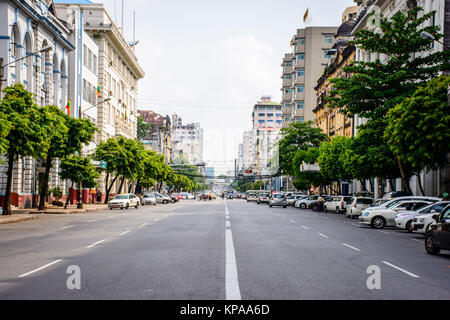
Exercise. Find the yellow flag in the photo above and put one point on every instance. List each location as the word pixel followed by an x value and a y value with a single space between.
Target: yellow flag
pixel 305 16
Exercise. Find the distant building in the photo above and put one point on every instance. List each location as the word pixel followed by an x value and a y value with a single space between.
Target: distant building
pixel 301 69
pixel 160 135
pixel 209 174
pixel 187 140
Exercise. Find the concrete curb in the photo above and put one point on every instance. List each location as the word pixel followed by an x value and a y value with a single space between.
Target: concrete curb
pixel 17 219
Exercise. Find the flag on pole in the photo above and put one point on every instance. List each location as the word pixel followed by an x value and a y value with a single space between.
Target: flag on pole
pixel 98 92
pixel 68 107
pixel 305 16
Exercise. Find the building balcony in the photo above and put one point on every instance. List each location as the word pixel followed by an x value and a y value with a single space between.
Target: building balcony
pixel 287 83
pixel 299 96
pixel 299 48
pixel 287 111
pixel 299 63
pixel 287 96
pixel 299 113
pixel 299 80
pixel 287 70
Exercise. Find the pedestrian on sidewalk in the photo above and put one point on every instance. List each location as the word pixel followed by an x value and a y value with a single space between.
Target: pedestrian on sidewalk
pixel 93 192
pixel 99 196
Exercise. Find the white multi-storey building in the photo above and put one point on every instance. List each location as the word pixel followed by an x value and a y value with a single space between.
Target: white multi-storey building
pixel 187 140
pixel 28 26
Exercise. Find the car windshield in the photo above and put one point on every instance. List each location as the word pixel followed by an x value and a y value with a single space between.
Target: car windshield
pixel 264 195
pixel 121 197
pixel 251 194
pixel 278 196
pixel 379 202
pixel 149 195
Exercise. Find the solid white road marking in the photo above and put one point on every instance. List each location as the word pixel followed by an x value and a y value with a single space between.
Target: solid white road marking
pixel 40 268
pixel 232 291
pixel 124 233
pixel 68 227
pixel 96 243
pixel 400 269
pixel 305 227
pixel 227 224
pixel 351 247
pixel 323 235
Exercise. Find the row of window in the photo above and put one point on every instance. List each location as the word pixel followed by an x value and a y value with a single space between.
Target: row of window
pixel 89 59
pixel 268 115
pixel 299 89
pixel 299 105
pixel 89 92
pixel 327 39
pixel 270 121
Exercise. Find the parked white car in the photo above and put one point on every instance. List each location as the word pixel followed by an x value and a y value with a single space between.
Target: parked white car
pixel 306 202
pixel 252 197
pixel 291 200
pixel 337 204
pixel 421 223
pixel 404 220
pixel 394 201
pixel 124 201
pixel 148 199
pixel 357 205
pixel 386 217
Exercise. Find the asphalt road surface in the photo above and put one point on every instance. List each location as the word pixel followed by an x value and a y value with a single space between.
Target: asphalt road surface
pixel 215 250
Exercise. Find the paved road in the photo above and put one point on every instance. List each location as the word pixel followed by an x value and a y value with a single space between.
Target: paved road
pixel 215 250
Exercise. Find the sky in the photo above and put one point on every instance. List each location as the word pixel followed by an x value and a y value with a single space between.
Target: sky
pixel 210 61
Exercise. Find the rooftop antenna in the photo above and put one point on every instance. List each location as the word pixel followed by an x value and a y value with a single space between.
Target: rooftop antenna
pixel 123 6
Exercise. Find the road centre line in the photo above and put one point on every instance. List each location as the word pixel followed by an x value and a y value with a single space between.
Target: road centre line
pixel 351 247
pixel 232 291
pixel 292 221
pixel 96 243
pixel 67 227
pixel 40 268
pixel 402 270
pixel 323 235
pixel 305 227
pixel 124 233
pixel 228 224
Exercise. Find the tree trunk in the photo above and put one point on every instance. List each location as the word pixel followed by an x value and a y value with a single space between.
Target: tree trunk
pixel 68 197
pixel 121 185
pixel 363 184
pixel 44 184
pixel 79 200
pixel 391 183
pixel 371 185
pixel 339 187
pixel 106 182
pixel 130 187
pixel 419 180
pixel 108 189
pixel 405 181
pixel 7 206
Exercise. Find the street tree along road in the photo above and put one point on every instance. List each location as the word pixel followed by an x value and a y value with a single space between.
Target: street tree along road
pixel 215 250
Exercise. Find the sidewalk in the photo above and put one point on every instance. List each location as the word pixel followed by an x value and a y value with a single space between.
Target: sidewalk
pixel 71 209
pixel 16 218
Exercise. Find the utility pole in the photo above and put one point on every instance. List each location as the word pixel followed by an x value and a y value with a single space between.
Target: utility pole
pixel 1 76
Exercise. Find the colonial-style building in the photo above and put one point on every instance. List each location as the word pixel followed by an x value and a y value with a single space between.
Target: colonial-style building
pixel 26 27
pixel 160 135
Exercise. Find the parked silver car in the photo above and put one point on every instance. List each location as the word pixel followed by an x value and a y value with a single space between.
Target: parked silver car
pixel 124 201
pixel 148 199
pixel 278 199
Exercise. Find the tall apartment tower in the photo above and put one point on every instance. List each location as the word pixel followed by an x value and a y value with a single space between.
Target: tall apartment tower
pixel 301 69
pixel 187 140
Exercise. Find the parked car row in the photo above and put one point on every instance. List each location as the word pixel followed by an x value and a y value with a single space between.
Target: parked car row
pixel 273 200
pixel 127 200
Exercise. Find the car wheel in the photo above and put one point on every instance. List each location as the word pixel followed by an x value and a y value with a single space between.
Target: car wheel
pixel 137 206
pixel 303 206
pixel 270 205
pixel 325 209
pixel 378 222
pixel 110 208
pixel 430 246
pixel 409 226
pixel 284 207
pixel 347 215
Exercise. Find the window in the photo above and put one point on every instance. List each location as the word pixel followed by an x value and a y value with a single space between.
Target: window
pixel 278 114
pixel 287 90
pixel 300 119
pixel 301 56
pixel 289 64
pixel 301 72
pixel 269 120
pixel 270 114
pixel 287 105
pixel 279 121
pixel 287 119
pixel 261 114
pixel 288 77
pixel 300 89
pixel 328 39
pixel 301 41
pixel 325 54
pixel 300 105
pixel 261 121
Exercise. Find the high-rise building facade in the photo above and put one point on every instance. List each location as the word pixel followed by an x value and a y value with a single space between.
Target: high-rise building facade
pixel 301 69
pixel 187 140
pixel 267 123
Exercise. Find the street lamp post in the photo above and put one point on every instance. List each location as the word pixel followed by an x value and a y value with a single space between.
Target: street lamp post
pixel 2 66
pixel 427 35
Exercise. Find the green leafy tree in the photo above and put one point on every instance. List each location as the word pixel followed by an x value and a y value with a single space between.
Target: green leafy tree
pixel 297 136
pixel 80 170
pixel 143 128
pixel 418 130
pixel 29 129
pixel 67 136
pixel 332 160
pixel 304 180
pixel 403 65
